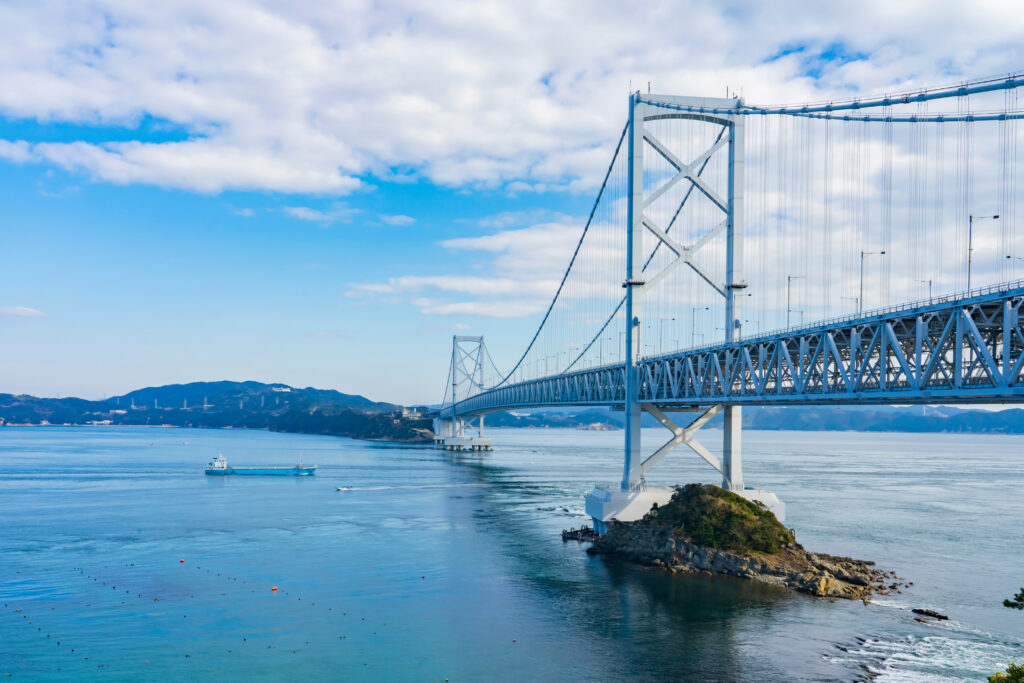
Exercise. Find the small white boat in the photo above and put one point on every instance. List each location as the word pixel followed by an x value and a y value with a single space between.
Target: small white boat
pixel 344 488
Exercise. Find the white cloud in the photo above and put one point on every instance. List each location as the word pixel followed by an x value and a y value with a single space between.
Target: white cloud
pixel 18 152
pixel 542 249
pixel 203 165
pixel 488 309
pixel 398 219
pixel 20 312
pixel 337 213
pixel 304 213
pixel 312 98
pixel 245 213
pixel 526 263
pixel 480 286
pixel 510 219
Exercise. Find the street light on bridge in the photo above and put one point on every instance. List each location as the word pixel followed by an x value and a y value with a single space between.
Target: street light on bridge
pixel 929 283
pixel 693 323
pixel 970 242
pixel 860 306
pixel 661 334
pixel 789 284
pixel 1014 258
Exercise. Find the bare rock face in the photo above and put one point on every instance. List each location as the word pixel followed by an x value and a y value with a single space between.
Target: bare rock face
pixel 660 540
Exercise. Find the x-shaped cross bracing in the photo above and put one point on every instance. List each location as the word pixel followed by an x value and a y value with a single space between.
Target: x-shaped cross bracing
pixel 681 435
pixel 692 173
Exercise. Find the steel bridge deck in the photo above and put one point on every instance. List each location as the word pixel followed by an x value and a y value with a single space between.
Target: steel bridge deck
pixel 965 349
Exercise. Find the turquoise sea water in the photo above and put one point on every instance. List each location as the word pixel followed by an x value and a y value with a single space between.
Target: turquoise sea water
pixel 437 567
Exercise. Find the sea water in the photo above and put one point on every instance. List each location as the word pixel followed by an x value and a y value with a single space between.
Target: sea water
pixel 120 560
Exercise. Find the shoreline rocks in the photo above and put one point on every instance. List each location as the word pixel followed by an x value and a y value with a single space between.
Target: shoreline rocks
pixel 931 614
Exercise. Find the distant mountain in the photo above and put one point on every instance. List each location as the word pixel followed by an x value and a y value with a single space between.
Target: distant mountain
pixel 590 418
pixel 887 419
pixel 241 405
pixel 804 418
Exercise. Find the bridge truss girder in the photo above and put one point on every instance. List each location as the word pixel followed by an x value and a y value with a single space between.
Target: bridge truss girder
pixel 968 353
pixel 962 351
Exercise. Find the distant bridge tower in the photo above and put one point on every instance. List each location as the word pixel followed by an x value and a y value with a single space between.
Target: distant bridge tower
pixel 465 380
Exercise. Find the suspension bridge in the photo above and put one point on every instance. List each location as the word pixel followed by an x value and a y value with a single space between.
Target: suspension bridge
pixel 743 255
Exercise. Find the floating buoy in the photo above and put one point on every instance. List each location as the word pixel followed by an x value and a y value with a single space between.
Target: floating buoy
pixel 182 561
pixel 273 588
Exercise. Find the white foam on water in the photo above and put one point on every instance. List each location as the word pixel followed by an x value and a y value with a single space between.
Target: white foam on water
pixel 929 658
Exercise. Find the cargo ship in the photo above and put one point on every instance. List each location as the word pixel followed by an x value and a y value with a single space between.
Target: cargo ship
pixel 219 466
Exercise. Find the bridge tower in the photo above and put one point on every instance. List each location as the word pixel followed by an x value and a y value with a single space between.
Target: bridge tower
pixel 634 498
pixel 466 379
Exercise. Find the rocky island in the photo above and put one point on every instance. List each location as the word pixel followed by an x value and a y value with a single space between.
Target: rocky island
pixel 705 529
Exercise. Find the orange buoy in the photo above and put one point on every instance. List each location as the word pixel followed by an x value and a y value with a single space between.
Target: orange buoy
pixel 273 588
pixel 182 561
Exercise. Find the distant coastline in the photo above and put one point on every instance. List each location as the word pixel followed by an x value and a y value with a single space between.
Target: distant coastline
pixel 227 405
pixel 173 426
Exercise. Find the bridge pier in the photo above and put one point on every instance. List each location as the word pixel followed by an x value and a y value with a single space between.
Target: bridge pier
pixel 732 449
pixel 632 502
pixel 450 435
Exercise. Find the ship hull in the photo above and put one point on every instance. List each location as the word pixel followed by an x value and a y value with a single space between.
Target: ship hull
pixel 265 471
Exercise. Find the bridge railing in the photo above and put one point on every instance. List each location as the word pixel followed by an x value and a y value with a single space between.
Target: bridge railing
pixel 866 315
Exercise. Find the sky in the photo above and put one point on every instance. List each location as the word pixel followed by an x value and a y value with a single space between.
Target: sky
pixel 323 193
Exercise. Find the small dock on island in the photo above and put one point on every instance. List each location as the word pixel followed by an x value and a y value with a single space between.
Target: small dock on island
pixel 464 443
pixel 584 533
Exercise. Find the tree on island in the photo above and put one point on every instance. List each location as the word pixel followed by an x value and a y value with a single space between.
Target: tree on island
pixel 1014 674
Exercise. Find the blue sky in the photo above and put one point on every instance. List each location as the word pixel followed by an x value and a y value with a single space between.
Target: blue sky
pixel 323 195
pixel 143 285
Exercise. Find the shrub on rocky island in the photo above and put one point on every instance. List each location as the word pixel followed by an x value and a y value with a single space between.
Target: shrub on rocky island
pixel 715 518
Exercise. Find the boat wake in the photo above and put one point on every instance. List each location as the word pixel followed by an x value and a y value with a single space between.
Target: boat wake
pixel 408 487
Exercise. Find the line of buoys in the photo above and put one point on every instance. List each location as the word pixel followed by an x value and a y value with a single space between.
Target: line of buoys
pixel 39 629
pixel 274 590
